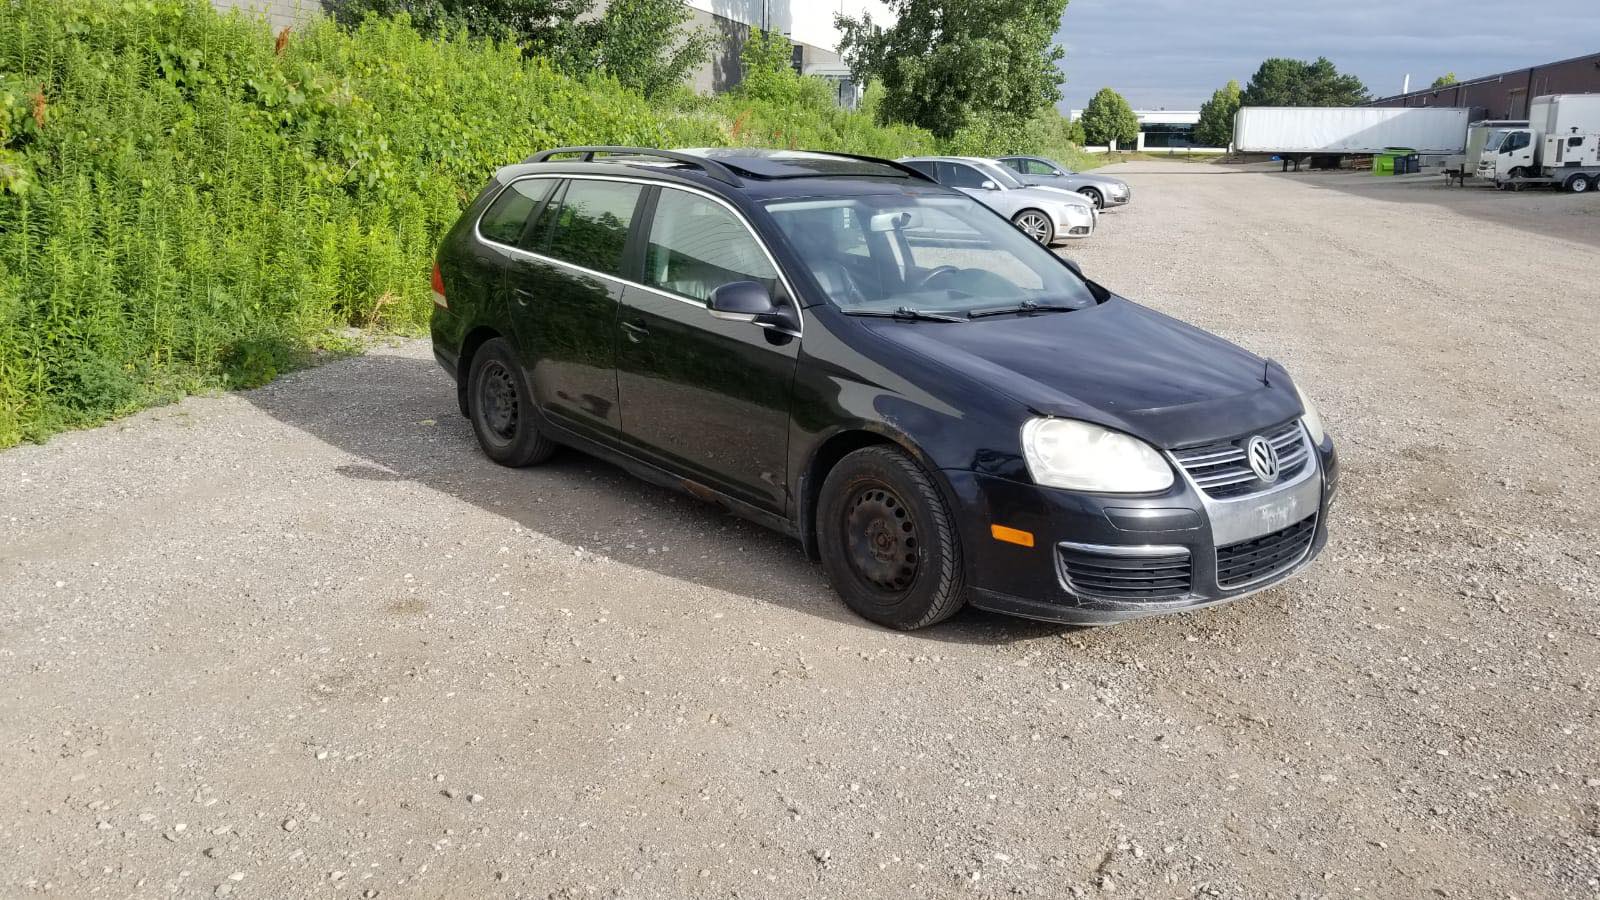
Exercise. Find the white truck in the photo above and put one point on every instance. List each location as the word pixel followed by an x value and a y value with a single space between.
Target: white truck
pixel 1333 131
pixel 1458 167
pixel 1559 147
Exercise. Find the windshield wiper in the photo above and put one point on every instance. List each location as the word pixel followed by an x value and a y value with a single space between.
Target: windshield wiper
pixel 906 312
pixel 1026 306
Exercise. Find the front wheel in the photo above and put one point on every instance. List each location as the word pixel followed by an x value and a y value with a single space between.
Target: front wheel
pixel 1094 197
pixel 889 544
pixel 501 407
pixel 1036 225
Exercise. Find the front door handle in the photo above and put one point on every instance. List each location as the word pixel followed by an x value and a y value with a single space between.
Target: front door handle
pixel 635 331
pixel 524 297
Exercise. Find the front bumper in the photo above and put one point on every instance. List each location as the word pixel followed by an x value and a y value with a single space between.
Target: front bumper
pixel 1077 222
pixel 1037 583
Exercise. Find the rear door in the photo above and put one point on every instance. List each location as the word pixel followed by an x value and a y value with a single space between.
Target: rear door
pixel 565 292
pixel 702 397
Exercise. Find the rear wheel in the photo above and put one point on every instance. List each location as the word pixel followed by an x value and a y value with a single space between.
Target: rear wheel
pixel 1094 197
pixel 889 544
pixel 501 408
pixel 1579 184
pixel 1036 225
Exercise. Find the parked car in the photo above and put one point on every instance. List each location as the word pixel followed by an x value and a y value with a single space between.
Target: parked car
pixel 1046 216
pixel 935 406
pixel 1102 190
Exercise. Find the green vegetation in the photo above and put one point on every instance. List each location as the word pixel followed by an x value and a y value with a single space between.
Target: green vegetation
pixel 1444 80
pixel 1215 128
pixel 189 202
pixel 946 65
pixel 1107 118
pixel 1293 82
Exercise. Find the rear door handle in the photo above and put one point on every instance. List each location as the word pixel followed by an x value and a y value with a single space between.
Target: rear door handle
pixel 635 331
pixel 524 297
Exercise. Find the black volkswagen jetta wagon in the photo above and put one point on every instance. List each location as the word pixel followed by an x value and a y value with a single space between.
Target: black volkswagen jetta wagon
pixel 934 405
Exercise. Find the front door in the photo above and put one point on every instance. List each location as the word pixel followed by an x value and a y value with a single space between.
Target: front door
pixel 704 397
pixel 564 294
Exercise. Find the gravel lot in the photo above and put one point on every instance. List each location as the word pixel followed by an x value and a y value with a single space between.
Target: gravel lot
pixel 306 641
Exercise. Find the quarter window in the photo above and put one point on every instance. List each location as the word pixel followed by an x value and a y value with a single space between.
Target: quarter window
pixel 697 246
pixel 507 218
pixel 591 229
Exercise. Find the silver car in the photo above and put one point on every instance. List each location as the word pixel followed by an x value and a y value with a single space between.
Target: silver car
pixel 1102 190
pixel 1047 215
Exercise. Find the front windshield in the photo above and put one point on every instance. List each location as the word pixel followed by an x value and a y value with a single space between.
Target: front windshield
pixel 1491 144
pixel 886 253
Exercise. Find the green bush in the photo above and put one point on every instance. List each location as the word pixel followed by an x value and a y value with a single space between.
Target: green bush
pixel 185 205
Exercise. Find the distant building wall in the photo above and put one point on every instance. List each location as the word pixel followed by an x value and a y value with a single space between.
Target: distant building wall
pixel 1508 94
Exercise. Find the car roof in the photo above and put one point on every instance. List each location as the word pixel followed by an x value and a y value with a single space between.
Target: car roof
pixel 753 172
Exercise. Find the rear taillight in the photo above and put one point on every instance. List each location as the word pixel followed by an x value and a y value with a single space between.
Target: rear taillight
pixel 438 289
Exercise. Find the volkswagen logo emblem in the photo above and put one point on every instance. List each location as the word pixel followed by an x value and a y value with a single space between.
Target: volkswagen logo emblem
pixel 1263 459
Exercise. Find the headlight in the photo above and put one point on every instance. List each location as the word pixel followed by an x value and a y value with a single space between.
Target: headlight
pixel 1077 456
pixel 1312 418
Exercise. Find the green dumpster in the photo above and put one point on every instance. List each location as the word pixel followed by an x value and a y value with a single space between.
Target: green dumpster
pixel 1392 161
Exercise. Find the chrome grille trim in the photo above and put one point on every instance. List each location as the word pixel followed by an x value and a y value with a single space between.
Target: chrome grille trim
pixel 1220 470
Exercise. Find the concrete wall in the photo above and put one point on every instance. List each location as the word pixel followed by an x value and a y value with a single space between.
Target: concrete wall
pixel 281 13
pixel 1507 95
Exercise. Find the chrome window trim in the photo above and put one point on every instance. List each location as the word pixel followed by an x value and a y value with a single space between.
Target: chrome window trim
pixel 783 278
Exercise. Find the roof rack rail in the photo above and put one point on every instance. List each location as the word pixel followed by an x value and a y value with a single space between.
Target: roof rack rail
pixel 893 164
pixel 710 166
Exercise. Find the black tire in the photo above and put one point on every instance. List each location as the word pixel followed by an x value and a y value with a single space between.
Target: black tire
pixel 1094 197
pixel 1036 224
pixel 500 406
pixel 889 544
pixel 1578 184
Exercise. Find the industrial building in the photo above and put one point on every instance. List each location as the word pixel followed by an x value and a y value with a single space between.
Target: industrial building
pixel 1162 129
pixel 807 23
pixel 1508 94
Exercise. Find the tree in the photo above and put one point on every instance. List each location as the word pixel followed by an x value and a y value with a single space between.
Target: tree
pixel 769 74
pixel 945 64
pixel 1107 118
pixel 1444 80
pixel 1293 82
pixel 1216 117
pixel 644 44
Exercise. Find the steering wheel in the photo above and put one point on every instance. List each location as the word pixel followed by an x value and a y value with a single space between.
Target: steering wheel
pixel 935 272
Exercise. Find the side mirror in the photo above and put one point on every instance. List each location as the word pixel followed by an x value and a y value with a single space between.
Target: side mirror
pixel 990 186
pixel 1076 269
pixel 749 301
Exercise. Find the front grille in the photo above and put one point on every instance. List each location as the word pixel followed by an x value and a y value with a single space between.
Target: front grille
pixel 1259 558
pixel 1220 469
pixel 1111 576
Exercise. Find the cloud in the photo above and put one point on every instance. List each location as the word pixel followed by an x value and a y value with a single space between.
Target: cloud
pixel 1173 53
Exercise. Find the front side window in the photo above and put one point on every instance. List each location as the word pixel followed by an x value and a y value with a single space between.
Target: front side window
pixel 932 252
pixel 506 221
pixel 697 246
pixel 591 228
pixel 1035 167
pixel 960 175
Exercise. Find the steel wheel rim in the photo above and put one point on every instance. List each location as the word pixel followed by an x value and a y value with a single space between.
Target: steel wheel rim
pixel 881 541
pixel 1034 226
pixel 1579 185
pixel 497 398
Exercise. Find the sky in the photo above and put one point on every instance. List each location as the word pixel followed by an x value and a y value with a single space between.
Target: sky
pixel 1171 54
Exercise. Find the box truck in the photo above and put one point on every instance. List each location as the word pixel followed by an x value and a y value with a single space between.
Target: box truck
pixel 1348 130
pixel 1459 167
pixel 1559 147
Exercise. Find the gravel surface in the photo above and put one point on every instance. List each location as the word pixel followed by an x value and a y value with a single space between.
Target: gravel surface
pixel 307 641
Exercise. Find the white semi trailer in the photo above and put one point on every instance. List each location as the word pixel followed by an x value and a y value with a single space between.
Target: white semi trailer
pixel 1560 147
pixel 1333 131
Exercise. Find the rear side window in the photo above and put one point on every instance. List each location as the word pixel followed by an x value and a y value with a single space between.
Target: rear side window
pixel 507 219
pixel 697 246
pixel 591 228
pixel 957 175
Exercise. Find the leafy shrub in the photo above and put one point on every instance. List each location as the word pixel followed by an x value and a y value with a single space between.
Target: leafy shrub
pixel 187 204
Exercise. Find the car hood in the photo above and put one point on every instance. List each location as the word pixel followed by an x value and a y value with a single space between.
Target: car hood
pixel 1118 364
